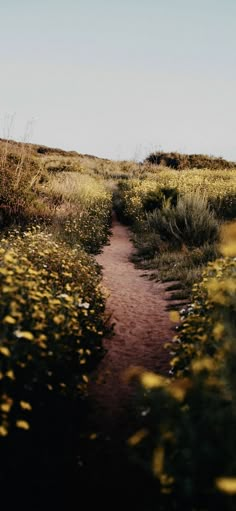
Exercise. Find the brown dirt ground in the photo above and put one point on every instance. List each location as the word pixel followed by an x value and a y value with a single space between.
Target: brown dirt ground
pixel 138 309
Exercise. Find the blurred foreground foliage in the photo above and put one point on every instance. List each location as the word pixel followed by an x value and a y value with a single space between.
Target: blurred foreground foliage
pixel 187 423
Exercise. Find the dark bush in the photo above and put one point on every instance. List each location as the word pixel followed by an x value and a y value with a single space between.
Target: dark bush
pixel 182 161
pixel 155 199
pixel 191 222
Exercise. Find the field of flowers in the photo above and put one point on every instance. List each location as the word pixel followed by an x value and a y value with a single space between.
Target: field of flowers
pixel 59 194
pixel 186 435
pixel 51 316
pixel 55 214
pixel 187 421
pixel 218 186
pixel 52 313
pixel 83 210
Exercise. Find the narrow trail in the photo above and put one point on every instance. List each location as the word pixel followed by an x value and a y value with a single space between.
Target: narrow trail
pixel 138 309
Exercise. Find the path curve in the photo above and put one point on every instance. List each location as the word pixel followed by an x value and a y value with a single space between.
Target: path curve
pixel 138 309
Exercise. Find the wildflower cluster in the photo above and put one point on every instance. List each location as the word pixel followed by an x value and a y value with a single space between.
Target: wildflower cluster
pixel 187 423
pixel 89 227
pixel 52 323
pixel 129 200
pixel 83 209
pixel 209 318
pixel 218 186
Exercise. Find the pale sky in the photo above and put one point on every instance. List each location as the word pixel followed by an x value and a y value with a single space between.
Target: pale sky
pixel 120 78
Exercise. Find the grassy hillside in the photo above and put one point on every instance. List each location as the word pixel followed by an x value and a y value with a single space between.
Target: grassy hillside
pixel 53 217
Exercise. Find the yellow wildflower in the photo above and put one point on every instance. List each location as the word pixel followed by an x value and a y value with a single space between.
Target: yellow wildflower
pixel 137 437
pixel 226 485
pixel 22 424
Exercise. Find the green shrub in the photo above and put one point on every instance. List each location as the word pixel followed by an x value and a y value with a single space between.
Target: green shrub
pixel 177 233
pixel 224 206
pixel 191 222
pixel 132 199
pixel 127 205
pixel 156 199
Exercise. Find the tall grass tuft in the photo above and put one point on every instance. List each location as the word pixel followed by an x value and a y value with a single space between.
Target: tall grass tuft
pixel 191 222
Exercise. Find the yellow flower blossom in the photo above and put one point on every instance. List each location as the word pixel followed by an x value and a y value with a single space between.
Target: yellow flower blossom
pixel 24 335
pixel 59 319
pixel 22 424
pixel 151 380
pixel 218 331
pixel 174 316
pixel 158 461
pixel 3 431
pixel 9 320
pixel 5 351
pixel 137 437
pixel 25 405
pixel 226 485
pixel 10 374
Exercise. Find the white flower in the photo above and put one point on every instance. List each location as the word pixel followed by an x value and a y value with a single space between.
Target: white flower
pixel 85 305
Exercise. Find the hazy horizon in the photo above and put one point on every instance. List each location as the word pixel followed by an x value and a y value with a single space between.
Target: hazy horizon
pixel 119 80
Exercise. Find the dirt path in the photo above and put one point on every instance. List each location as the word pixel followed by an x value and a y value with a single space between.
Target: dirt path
pixel 138 309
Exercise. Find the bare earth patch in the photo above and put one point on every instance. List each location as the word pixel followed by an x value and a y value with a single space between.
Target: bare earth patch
pixel 138 309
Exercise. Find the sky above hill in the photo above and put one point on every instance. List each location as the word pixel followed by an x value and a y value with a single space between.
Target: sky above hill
pixel 120 79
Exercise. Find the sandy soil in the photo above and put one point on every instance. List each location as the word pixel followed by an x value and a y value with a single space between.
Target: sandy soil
pixel 138 309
